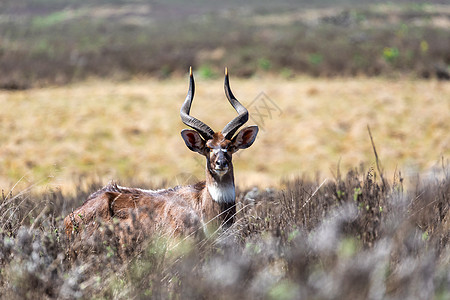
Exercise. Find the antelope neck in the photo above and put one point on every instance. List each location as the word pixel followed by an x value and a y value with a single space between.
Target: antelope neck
pixel 221 188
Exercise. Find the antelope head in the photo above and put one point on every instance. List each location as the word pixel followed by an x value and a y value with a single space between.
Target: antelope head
pixel 217 147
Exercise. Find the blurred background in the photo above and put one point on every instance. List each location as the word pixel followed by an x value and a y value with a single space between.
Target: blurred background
pixel 92 89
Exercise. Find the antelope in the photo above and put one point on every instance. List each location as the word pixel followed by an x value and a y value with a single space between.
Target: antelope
pixel 181 210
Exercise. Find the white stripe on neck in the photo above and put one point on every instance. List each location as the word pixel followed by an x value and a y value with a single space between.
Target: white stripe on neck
pixel 222 193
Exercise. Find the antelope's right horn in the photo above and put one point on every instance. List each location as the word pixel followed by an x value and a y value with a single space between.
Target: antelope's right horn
pixel 204 130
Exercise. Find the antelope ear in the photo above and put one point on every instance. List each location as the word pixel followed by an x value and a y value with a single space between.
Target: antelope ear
pixel 193 140
pixel 245 137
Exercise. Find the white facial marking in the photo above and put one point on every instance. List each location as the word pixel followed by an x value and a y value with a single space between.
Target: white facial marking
pixel 221 172
pixel 215 151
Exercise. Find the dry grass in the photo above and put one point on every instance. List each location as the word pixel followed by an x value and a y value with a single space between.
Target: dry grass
pixel 122 130
pixel 349 238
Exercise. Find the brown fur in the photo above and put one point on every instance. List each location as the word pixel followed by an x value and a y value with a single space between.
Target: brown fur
pixel 180 211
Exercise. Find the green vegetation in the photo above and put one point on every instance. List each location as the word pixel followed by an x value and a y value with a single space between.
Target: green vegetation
pixel 56 42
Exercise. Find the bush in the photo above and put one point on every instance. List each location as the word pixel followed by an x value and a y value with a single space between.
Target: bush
pixel 56 43
pixel 356 237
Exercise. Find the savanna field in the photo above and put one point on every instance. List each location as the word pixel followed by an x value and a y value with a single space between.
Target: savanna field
pixel 345 193
pixel 131 130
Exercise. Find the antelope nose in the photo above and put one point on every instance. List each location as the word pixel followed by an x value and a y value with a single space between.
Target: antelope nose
pixel 221 164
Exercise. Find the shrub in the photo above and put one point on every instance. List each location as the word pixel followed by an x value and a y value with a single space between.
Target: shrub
pixel 354 237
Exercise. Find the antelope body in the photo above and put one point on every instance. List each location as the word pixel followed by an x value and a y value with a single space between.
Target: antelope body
pixel 182 210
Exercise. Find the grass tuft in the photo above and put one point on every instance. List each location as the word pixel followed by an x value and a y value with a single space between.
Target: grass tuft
pixel 354 237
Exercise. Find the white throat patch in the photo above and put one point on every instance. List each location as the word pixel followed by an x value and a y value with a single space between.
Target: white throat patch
pixel 222 194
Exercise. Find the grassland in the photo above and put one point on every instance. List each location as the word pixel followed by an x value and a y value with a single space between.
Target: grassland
pixel 90 91
pixel 124 130
pixel 353 237
pixel 58 42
